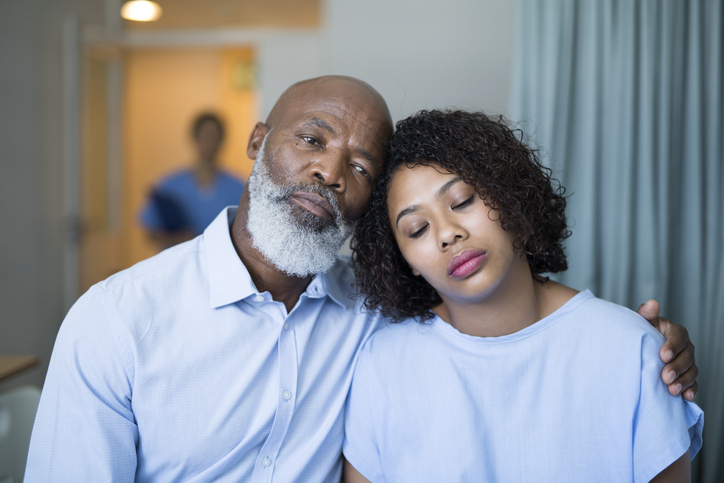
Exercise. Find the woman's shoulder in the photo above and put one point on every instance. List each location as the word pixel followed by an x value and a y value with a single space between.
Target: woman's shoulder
pixel 393 339
pixel 606 322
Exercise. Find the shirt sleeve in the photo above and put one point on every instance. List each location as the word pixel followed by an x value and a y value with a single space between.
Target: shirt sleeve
pixel 84 429
pixel 664 426
pixel 361 447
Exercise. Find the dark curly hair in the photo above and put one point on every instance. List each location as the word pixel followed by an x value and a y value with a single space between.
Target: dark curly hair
pixel 489 155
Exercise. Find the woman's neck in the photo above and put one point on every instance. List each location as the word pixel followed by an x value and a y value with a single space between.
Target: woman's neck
pixel 205 172
pixel 518 302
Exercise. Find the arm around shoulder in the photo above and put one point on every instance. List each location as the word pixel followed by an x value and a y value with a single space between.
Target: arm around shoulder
pixel 678 472
pixel 85 428
pixel 351 475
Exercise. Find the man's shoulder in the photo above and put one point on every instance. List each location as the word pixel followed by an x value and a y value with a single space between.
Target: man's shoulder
pixel 162 269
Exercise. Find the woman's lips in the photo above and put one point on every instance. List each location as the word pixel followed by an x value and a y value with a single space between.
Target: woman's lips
pixel 315 204
pixel 466 263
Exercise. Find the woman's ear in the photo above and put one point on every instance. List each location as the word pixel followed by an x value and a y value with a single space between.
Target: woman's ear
pixel 415 272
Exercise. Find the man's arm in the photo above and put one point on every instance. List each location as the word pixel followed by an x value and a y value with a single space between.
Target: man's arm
pixel 680 371
pixel 678 472
pixel 351 475
pixel 85 428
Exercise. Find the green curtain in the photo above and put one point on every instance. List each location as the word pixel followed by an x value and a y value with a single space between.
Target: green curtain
pixel 625 99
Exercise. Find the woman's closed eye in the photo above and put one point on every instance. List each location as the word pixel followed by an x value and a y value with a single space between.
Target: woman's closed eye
pixel 419 232
pixel 464 203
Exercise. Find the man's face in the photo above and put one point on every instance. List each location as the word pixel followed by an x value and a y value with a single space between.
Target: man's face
pixel 336 140
pixel 295 240
pixel 315 173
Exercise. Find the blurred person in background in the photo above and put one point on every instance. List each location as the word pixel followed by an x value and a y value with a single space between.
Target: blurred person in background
pixel 184 203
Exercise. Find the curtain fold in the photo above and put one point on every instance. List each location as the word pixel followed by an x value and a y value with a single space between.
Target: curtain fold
pixel 625 99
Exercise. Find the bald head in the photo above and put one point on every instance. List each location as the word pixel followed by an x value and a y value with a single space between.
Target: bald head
pixel 331 88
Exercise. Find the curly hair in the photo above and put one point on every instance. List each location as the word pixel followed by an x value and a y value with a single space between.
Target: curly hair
pixel 489 155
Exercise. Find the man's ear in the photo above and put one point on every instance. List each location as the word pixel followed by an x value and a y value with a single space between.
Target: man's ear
pixel 415 272
pixel 255 139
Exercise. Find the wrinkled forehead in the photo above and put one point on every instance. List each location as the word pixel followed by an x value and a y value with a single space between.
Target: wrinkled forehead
pixel 338 95
pixel 350 109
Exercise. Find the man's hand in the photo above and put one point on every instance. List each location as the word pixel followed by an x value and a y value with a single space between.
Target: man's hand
pixel 680 372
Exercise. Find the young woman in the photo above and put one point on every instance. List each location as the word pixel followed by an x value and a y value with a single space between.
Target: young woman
pixel 493 372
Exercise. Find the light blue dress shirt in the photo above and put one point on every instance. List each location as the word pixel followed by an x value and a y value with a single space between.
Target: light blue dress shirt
pixel 178 369
pixel 575 397
pixel 200 204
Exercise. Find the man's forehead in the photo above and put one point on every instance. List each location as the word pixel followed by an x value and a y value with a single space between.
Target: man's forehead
pixel 344 108
pixel 340 96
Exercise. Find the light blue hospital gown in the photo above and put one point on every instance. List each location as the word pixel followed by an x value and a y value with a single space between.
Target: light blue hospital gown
pixel 576 396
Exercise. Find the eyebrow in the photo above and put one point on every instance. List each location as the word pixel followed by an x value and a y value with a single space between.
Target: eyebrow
pixel 369 157
pixel 321 123
pixel 439 193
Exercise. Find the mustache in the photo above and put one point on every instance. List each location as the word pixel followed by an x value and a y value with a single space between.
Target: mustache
pixel 323 191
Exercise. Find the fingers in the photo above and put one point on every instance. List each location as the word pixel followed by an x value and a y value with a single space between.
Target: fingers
pixel 690 393
pixel 649 310
pixel 681 373
pixel 677 340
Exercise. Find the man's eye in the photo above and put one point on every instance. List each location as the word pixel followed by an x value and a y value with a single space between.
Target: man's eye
pixel 361 170
pixel 419 232
pixel 464 203
pixel 310 140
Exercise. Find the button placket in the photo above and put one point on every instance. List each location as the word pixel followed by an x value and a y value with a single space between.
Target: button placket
pixel 268 455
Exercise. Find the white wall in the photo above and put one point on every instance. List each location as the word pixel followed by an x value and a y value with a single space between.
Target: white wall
pixel 31 224
pixel 284 61
pixel 418 54
pixel 423 54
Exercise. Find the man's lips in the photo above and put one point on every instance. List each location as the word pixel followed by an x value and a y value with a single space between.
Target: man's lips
pixel 466 263
pixel 314 203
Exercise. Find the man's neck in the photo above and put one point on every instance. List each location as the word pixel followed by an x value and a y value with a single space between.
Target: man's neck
pixel 267 278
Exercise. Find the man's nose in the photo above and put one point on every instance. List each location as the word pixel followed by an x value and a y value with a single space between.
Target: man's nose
pixel 329 169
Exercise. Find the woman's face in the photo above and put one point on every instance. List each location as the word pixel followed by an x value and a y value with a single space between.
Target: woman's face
pixel 449 236
pixel 208 140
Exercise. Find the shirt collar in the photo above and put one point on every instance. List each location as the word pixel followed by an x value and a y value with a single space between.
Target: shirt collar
pixel 229 280
pixel 337 283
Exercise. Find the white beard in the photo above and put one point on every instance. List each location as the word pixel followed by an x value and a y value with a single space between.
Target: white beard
pixel 293 240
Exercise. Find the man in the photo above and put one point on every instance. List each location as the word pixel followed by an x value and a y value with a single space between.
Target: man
pixel 226 358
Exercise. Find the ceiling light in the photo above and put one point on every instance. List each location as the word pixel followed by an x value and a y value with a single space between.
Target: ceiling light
pixel 141 11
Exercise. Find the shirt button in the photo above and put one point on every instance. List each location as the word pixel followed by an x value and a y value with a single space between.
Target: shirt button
pixel 287 395
pixel 266 462
pixel 286 325
pixel 259 298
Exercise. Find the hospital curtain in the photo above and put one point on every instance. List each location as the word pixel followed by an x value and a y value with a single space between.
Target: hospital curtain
pixel 624 97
